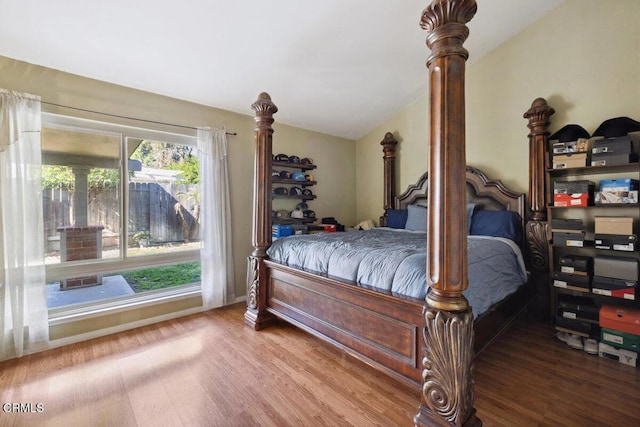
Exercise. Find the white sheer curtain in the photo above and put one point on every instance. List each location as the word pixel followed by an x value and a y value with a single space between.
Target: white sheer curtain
pixel 23 300
pixel 215 218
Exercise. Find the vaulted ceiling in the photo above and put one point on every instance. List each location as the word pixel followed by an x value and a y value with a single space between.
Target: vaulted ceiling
pixel 340 67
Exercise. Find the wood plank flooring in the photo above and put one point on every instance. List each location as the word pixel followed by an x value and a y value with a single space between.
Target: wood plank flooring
pixel 211 370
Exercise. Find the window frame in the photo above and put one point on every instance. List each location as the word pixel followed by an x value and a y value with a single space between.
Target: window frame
pixel 123 262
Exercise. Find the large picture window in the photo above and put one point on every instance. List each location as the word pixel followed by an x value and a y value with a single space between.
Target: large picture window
pixel 121 211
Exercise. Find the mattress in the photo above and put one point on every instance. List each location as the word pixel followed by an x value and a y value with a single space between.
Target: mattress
pixel 394 260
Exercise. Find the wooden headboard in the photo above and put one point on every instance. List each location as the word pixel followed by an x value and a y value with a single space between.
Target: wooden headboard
pixel 487 194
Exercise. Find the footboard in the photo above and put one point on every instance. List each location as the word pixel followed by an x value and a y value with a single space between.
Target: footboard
pixel 379 329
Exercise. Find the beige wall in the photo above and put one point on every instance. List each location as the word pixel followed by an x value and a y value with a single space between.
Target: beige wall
pixel 583 57
pixel 335 157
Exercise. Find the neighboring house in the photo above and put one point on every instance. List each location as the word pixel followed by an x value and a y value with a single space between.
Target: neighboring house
pixel 155 175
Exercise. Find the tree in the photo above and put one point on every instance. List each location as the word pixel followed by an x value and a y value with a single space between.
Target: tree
pixel 62 177
pixel 188 228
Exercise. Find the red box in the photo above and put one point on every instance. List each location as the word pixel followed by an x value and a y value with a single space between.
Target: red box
pixel 624 293
pixel 621 319
pixel 569 200
pixel 329 228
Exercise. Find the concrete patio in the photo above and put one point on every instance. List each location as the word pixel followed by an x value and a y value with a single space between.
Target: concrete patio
pixel 112 287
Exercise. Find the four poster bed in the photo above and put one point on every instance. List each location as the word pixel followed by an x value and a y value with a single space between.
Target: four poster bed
pixel 382 326
pixel 425 344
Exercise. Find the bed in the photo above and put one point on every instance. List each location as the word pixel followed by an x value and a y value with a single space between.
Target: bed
pixel 426 343
pixel 381 325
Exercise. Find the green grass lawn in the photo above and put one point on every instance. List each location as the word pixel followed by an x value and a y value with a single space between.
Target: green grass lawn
pixel 169 276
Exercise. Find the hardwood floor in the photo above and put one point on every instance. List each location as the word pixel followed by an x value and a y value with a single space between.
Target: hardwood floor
pixel 211 370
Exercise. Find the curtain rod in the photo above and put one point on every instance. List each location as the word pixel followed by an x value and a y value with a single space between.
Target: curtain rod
pixel 128 118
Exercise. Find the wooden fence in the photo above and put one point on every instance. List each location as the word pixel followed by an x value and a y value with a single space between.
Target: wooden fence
pixel 151 208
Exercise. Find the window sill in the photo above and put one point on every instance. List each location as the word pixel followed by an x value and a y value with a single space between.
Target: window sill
pixel 63 315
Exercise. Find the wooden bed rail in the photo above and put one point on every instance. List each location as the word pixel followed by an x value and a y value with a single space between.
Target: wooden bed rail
pixel 447 388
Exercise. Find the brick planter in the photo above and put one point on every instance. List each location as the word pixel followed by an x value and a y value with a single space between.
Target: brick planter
pixel 77 244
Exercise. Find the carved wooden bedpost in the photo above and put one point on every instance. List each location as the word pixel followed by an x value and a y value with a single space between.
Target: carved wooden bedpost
pixel 537 227
pixel 447 388
pixel 256 315
pixel 538 116
pixel 389 149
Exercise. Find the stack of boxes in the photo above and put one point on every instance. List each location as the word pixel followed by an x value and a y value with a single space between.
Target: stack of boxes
pixel 614 151
pixel 567 232
pixel 620 334
pixel 570 154
pixel 573 193
pixel 575 273
pixel 615 234
pixel 596 151
pixel 281 230
pixel 615 276
pixel 576 314
pixel 284 230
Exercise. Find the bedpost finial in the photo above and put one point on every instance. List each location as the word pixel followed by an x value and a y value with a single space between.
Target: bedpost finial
pixel 389 139
pixel 539 102
pixel 264 107
pixel 539 113
pixel 441 12
pixel 445 22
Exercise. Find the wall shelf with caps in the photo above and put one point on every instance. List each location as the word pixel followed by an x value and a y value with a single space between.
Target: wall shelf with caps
pixel 289 196
pixel 288 184
pixel 300 166
pixel 286 221
pixel 593 225
pixel 290 181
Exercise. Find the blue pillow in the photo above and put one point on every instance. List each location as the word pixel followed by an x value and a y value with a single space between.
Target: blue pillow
pixel 471 207
pixel 505 224
pixel 416 218
pixel 396 218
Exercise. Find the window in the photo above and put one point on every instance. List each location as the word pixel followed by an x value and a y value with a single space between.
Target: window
pixel 121 211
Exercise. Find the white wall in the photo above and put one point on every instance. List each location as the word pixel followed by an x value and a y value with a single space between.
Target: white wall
pixel 583 57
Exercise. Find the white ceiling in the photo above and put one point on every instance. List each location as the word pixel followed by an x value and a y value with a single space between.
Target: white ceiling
pixel 340 67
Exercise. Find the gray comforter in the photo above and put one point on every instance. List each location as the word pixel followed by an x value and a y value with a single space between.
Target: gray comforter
pixel 394 260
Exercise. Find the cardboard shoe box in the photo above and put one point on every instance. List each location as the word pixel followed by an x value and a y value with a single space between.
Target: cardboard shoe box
pixel 581 145
pixel 617 145
pixel 566 225
pixel 621 355
pixel 573 193
pixel 576 264
pixel 617 191
pixel 620 318
pixel 329 228
pixel 620 339
pixel 615 242
pixel 570 310
pixel 569 239
pixel 574 282
pixel 614 225
pixel 616 267
pixel 281 230
pixel 576 326
pixel 574 160
pixel 616 288
pixel 611 159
